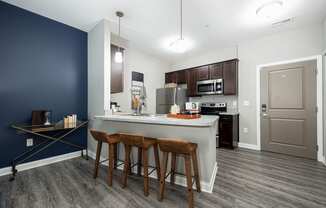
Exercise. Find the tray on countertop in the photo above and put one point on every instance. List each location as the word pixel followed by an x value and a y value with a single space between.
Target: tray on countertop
pixel 184 116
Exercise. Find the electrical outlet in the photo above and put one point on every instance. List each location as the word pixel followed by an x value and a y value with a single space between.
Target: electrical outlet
pixel 245 130
pixel 29 142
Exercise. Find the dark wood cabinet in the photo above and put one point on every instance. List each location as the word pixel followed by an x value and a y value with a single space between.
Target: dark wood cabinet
pixel 178 77
pixel 227 70
pixel 202 73
pixel 171 77
pixel 181 77
pixel 116 71
pixel 228 131
pixel 216 71
pixel 191 78
pixel 230 77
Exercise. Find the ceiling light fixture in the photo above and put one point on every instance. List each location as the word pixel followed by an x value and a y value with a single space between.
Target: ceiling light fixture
pixel 118 57
pixel 270 9
pixel 180 45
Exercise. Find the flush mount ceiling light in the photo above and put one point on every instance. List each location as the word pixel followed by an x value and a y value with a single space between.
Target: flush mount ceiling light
pixel 270 9
pixel 118 58
pixel 180 45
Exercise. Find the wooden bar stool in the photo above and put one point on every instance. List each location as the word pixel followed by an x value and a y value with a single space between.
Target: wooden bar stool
pixel 183 148
pixel 112 140
pixel 143 145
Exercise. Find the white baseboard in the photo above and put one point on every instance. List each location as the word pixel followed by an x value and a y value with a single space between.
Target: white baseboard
pixel 249 146
pixel 5 171
pixel 179 180
pixel 255 147
pixel 38 163
pixel 320 158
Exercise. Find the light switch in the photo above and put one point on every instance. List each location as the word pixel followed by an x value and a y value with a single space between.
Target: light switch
pixel 245 130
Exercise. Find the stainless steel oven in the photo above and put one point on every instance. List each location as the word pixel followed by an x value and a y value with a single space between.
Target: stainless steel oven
pixel 210 87
pixel 214 109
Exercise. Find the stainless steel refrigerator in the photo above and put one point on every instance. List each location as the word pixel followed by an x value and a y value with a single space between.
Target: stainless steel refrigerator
pixel 165 98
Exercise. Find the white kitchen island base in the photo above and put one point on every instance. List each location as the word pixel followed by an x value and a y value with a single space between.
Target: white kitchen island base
pixel 201 131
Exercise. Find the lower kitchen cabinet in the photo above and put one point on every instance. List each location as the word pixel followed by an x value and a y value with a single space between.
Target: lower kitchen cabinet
pixel 228 131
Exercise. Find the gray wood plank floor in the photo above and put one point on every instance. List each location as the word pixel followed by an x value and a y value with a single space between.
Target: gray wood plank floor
pixel 244 179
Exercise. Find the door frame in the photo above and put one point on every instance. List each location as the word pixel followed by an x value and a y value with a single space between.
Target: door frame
pixel 319 60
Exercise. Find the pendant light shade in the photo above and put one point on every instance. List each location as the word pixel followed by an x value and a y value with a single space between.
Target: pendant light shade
pixel 179 45
pixel 118 56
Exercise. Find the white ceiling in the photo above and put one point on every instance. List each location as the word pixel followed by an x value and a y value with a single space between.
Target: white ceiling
pixel 148 24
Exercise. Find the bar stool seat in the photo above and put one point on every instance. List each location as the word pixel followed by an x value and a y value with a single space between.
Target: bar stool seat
pixel 112 140
pixel 188 150
pixel 143 144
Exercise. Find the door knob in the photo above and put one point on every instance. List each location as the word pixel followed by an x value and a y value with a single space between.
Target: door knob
pixel 265 115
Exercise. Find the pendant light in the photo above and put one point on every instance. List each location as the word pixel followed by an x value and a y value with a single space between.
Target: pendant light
pixel 180 45
pixel 118 58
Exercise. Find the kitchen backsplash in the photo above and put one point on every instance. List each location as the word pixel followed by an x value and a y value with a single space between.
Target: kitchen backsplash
pixel 232 101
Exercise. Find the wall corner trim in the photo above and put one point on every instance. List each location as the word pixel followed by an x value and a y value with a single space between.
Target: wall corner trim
pixel 249 146
pixel 39 163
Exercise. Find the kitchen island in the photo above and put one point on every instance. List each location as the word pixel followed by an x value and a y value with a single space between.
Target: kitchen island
pixel 201 131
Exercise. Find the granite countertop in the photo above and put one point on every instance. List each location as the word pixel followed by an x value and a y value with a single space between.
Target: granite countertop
pixel 204 121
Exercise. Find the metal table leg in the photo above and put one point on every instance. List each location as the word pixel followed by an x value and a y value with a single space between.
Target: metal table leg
pixel 52 140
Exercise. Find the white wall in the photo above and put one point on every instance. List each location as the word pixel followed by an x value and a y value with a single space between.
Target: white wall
pixel 99 65
pixel 98 73
pixel 206 58
pixel 282 46
pixel 324 36
pixel 153 69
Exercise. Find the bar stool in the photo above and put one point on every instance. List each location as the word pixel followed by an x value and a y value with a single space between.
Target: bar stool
pixel 179 147
pixel 143 144
pixel 112 140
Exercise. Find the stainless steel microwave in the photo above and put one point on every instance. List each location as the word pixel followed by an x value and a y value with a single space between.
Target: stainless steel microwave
pixel 210 87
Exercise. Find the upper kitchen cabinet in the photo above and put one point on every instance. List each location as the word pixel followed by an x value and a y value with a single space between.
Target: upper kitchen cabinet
pixel 227 70
pixel 116 71
pixel 202 73
pixel 181 77
pixel 216 71
pixel 171 77
pixel 230 77
pixel 191 78
pixel 178 77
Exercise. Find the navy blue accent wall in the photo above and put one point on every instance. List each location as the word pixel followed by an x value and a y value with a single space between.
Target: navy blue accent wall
pixel 43 65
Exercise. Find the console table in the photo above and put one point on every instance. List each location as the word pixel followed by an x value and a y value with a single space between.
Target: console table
pixel 60 133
